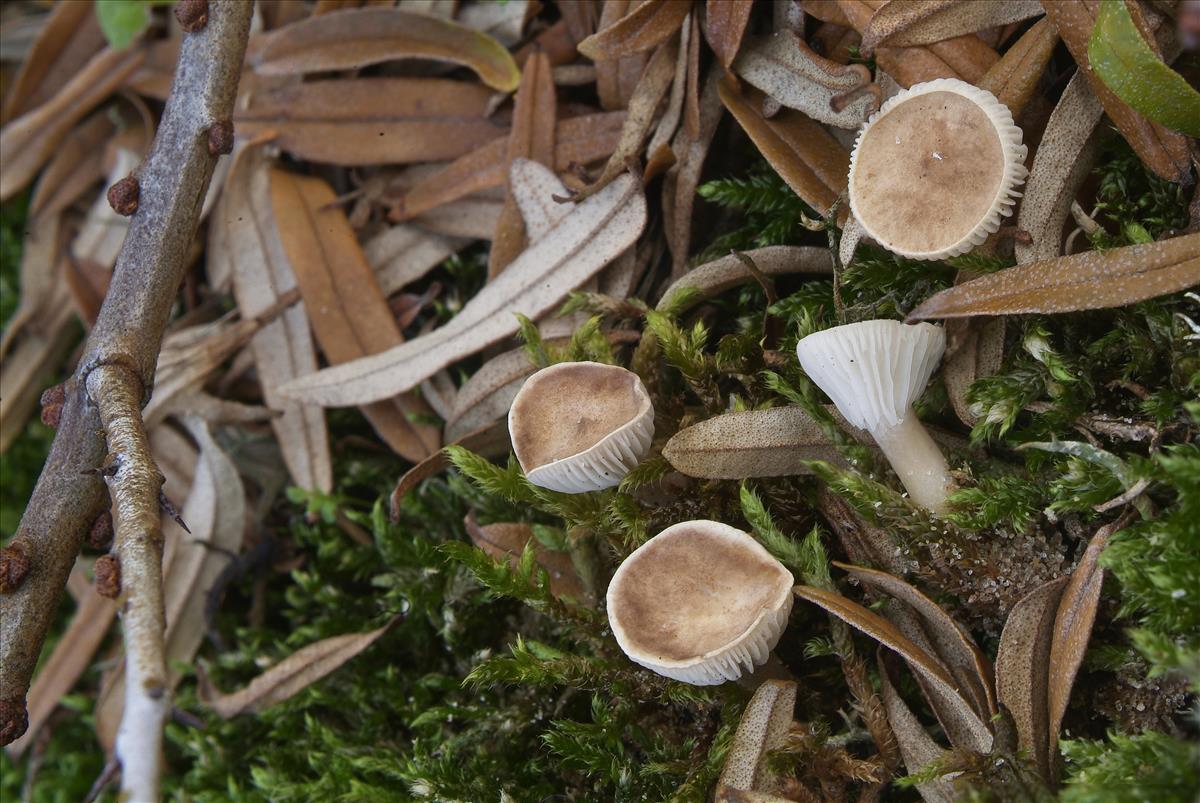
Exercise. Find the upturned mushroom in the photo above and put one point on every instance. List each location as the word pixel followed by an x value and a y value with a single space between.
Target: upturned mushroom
pixel 873 371
pixel 580 426
pixel 935 169
pixel 701 602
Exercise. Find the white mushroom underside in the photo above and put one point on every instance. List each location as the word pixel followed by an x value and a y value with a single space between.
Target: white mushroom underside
pixel 603 465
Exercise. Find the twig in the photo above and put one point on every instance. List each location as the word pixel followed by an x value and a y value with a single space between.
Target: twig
pixel 122 351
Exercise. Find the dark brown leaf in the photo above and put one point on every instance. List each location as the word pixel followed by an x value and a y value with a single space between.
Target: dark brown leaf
pixel 489 441
pixel 70 37
pixel 724 25
pixel 906 23
pixel 647 25
pixel 1015 76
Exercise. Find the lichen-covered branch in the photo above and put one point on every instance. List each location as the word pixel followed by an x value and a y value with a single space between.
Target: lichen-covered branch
pixel 128 332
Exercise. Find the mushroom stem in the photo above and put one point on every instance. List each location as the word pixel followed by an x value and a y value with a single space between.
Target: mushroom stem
pixel 918 460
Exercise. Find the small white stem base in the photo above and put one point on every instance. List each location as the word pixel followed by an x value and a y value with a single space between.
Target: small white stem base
pixel 918 461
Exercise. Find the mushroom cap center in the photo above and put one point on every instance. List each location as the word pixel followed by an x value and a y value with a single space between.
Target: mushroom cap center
pixel 691 592
pixel 570 407
pixel 927 172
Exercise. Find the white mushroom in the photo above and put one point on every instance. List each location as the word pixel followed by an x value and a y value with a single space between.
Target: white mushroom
pixel 701 602
pixel 874 371
pixel 935 169
pixel 581 426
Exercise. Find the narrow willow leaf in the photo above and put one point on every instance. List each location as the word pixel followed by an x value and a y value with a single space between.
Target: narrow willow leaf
pixel 1123 60
pixel 244 234
pixel 647 25
pixel 1073 630
pixel 917 747
pixel 806 156
pixel 755 443
pixel 1164 151
pixel 489 441
pixel 594 233
pixel 75 168
pixel 789 71
pixel 534 188
pixel 290 676
pixel 1061 164
pixel 366 121
pixel 31 365
pixel 360 37
pixel 1092 280
pixel 1015 76
pixel 763 728
pixel 905 23
pixel 1021 663
pixel 507 541
pixel 187 360
pixel 724 25
pixel 701 113
pixel 69 37
pixel 951 643
pixel 715 277
pixel 349 315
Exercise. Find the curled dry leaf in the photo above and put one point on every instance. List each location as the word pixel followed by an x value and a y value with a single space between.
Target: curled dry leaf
pixel 1062 162
pixel 764 726
pixel 755 443
pixel 917 747
pixel 715 277
pixel 790 72
pixel 348 313
pixel 507 541
pixel 806 156
pixel 1021 661
pixel 577 140
pixel 647 25
pixel 489 441
pixel 978 352
pixel 1015 76
pixel 1091 280
pixel 369 121
pixel 724 25
pixel 1163 151
pixel 360 37
pixel 290 676
pixel 188 358
pixel 906 23
pixel 594 233
pixel 244 233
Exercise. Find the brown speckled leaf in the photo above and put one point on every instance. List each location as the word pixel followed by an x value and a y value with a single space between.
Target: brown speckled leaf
pixel 917 747
pixel 724 25
pixel 364 36
pixel 723 273
pixel 644 27
pixel 912 65
pixel 1021 662
pixel 1015 76
pixel 905 23
pixel 763 728
pixel 1164 151
pixel 1092 280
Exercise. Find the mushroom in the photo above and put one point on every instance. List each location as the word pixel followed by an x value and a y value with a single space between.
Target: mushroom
pixel 701 602
pixel 874 371
pixel 580 426
pixel 935 169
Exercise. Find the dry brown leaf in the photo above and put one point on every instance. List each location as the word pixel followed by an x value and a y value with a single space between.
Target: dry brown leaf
pixel 103 231
pixel 188 358
pixel 658 149
pixel 34 359
pixel 647 25
pixel 506 541
pixel 978 350
pixel 908 65
pixel 917 747
pixel 581 18
pixel 487 395
pixel 953 645
pixel 1062 162
pixel 69 37
pixel 764 726
pixel 490 441
pixel 806 156
pixel 905 23
pixel 590 236
pixel 76 166
pixel 357 38
pixel 290 676
pixel 535 110
pixel 690 145
pixel 1021 661
pixel 1162 150
pixel 403 253
pixel 33 138
pixel 1015 76
pixel 39 274
pixel 755 443
pixel 576 140
pixel 715 277
pixel 1091 280
pixel 724 26
pixel 369 121
pixel 790 72
pixel 470 218
pixel 349 315
pixel 244 234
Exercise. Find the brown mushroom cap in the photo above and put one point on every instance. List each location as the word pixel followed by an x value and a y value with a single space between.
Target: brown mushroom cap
pixel 935 170
pixel 701 602
pixel 580 426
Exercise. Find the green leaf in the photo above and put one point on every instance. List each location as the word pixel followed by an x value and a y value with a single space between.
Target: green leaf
pixel 122 21
pixel 1125 63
